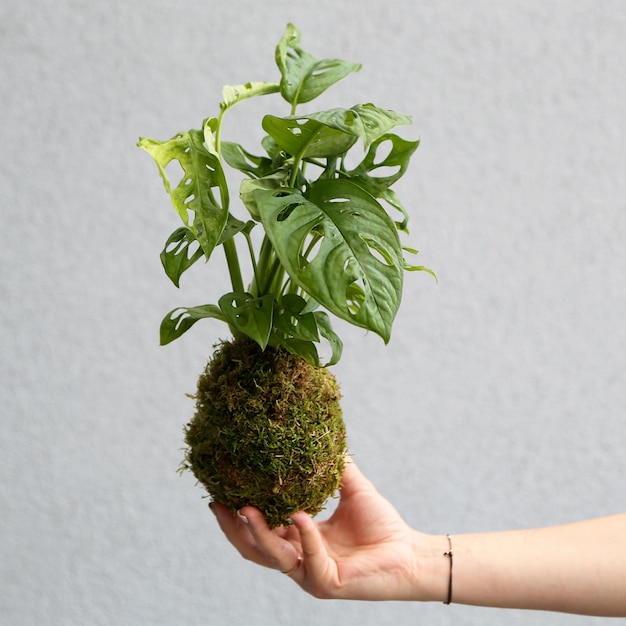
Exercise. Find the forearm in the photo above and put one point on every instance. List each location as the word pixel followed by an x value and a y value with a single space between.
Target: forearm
pixel 575 568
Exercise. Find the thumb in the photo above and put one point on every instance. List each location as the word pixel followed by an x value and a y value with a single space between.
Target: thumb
pixel 354 481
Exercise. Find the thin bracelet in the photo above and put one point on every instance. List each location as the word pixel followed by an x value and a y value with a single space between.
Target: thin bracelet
pixel 451 555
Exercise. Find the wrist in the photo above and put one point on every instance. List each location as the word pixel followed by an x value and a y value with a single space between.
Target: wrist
pixel 433 568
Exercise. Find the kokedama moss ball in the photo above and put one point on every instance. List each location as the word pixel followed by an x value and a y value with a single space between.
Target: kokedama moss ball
pixel 268 431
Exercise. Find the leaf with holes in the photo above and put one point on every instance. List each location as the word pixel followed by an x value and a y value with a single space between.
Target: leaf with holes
pixel 242 160
pixel 365 121
pixel 390 197
pixel 193 197
pixel 326 330
pixel 179 254
pixel 249 186
pixel 377 173
pixel 249 315
pixel 323 223
pixel 307 138
pixel 180 320
pixel 359 250
pixel 303 76
pixel 233 227
pixel 182 249
pixel 291 320
pixel 308 349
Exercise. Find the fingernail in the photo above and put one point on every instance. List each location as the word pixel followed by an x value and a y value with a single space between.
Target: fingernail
pixel 212 509
pixel 243 518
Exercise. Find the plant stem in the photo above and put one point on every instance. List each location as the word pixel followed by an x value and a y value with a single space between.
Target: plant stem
pixel 266 257
pixel 230 250
pixel 233 265
pixel 254 286
pixel 276 277
pixel 295 169
pixel 218 131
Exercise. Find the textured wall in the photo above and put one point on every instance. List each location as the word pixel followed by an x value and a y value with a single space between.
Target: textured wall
pixel 499 402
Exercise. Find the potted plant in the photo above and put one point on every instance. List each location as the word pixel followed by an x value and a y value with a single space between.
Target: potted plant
pixel 320 238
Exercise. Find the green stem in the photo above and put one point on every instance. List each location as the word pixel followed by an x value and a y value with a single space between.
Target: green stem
pixel 290 287
pixel 233 265
pixel 218 130
pixel 295 168
pixel 266 257
pixel 254 286
pixel 297 158
pixel 276 277
pixel 230 250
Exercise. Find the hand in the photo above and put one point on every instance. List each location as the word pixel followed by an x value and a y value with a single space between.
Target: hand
pixel 363 551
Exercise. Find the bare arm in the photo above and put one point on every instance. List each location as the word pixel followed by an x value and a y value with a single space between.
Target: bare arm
pixel 574 568
pixel 366 551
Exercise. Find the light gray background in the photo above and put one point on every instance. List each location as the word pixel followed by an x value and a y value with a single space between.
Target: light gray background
pixel 498 403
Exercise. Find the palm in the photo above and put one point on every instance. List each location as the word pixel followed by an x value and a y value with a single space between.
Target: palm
pixel 363 551
pixel 365 542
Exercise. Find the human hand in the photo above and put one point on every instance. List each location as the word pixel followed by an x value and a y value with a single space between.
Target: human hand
pixel 364 551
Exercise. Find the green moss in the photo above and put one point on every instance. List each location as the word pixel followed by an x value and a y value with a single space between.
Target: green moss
pixel 268 431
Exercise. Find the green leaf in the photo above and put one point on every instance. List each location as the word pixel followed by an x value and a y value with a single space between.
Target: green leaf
pixel 376 174
pixel 421 268
pixel 233 94
pixel 303 76
pixel 240 159
pixel 365 121
pixel 355 296
pixel 178 254
pixel 305 349
pixel 232 228
pixel 248 188
pixel 201 212
pixel 307 138
pixel 273 150
pixel 391 198
pixel 334 132
pixel 249 315
pixel 290 320
pixel 326 330
pixel 181 319
pixel 417 268
pixel 210 127
pixel 359 250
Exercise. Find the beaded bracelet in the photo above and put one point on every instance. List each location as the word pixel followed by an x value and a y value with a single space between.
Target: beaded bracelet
pixel 449 554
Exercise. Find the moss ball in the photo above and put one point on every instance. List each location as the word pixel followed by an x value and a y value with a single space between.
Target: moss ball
pixel 268 431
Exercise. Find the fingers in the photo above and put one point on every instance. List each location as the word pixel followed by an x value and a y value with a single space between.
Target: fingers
pixel 237 532
pixel 318 565
pixel 279 552
pixel 310 538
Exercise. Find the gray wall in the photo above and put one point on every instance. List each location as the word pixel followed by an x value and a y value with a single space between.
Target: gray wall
pixel 499 402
